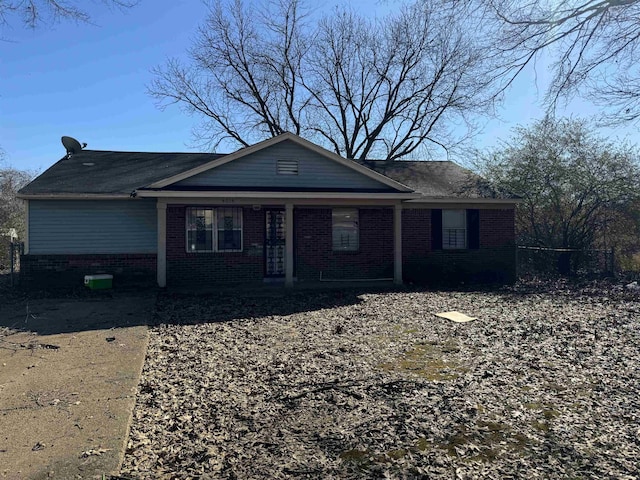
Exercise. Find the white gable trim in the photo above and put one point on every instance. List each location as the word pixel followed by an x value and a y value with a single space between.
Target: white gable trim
pixel 274 141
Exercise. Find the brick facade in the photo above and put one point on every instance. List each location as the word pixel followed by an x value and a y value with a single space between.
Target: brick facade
pixel 46 271
pixel 314 256
pixel 211 268
pixel 497 228
pixel 416 234
pixel 314 251
pixel 494 261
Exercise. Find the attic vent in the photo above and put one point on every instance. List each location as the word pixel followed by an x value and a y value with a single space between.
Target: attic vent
pixel 287 167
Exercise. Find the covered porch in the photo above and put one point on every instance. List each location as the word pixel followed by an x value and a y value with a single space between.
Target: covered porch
pixel 288 239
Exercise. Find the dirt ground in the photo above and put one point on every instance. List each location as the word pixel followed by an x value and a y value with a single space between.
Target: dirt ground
pixel 544 384
pixel 68 372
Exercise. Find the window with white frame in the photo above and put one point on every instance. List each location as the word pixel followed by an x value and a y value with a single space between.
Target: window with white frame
pixel 454 229
pixel 345 229
pixel 214 229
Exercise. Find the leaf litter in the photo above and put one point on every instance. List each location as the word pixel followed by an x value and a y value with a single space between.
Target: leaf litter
pixel 372 385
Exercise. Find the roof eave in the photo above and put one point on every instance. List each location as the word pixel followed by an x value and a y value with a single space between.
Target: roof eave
pixel 274 194
pixel 424 199
pixel 73 196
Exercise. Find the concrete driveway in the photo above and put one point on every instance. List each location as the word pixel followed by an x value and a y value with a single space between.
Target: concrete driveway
pixel 69 369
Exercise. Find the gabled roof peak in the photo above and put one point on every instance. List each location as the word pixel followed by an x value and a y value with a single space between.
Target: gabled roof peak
pixel 287 136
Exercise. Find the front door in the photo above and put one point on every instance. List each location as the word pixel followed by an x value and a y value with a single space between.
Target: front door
pixel 274 243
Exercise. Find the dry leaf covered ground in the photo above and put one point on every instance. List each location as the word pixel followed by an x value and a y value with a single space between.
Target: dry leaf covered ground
pixel 545 384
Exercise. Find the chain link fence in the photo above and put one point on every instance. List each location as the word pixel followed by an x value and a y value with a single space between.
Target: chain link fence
pixel 534 260
pixel 10 251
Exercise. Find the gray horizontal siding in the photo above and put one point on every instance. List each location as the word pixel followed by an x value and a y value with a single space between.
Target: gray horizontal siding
pixel 259 170
pixel 92 226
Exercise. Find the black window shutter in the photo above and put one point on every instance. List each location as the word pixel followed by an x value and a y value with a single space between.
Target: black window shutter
pixel 436 229
pixel 473 228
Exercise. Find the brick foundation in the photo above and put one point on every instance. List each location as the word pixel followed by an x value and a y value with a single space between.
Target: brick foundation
pixel 485 265
pixel 68 271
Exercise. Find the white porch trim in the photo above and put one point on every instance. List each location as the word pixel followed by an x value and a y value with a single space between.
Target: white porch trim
pixel 288 258
pixel 161 261
pixel 280 201
pixel 397 244
pixel 283 195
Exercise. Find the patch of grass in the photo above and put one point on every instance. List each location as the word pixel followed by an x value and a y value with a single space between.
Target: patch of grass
pixel 365 458
pixel 484 443
pixel 423 444
pixel 556 387
pixel 397 454
pixel 547 410
pixel 541 426
pixel 428 361
pixel 355 456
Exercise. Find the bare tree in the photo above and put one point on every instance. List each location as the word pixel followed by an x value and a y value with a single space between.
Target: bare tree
pixel 245 72
pixel 361 87
pixel 11 210
pixel 35 13
pixel 593 45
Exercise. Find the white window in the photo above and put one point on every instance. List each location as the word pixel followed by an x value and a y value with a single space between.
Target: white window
pixel 345 229
pixel 287 167
pixel 454 229
pixel 214 229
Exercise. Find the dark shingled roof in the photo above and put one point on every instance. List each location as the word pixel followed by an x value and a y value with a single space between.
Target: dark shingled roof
pixel 112 172
pixel 106 172
pixel 439 179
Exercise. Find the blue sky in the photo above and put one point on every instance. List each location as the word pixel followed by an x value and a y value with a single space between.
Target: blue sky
pixel 89 81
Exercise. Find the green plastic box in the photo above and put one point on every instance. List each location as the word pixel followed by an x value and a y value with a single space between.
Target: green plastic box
pixel 98 282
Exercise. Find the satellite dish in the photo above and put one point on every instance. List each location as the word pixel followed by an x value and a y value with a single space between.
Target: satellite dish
pixel 72 145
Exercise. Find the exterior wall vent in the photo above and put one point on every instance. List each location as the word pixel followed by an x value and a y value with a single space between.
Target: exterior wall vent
pixel 287 167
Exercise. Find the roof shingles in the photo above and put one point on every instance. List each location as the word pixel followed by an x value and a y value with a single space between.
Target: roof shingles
pixel 439 179
pixel 93 172
pixel 105 172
